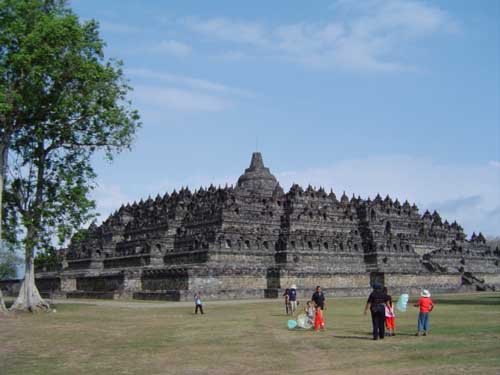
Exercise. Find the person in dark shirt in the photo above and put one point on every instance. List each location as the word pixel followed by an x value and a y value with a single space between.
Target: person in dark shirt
pixel 319 301
pixel 319 298
pixel 292 296
pixel 287 300
pixel 377 301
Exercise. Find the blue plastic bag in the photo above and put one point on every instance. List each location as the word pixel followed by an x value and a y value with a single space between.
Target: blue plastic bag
pixel 292 324
pixel 402 302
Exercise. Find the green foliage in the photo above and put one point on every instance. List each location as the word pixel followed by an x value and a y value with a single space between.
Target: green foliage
pixel 63 102
pixel 49 260
pixel 9 261
pixel 80 236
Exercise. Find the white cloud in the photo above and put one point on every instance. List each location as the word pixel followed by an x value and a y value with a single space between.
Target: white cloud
pixel 161 90
pixel 229 30
pixel 231 56
pixel 119 28
pixel 361 35
pixel 174 48
pixel 179 99
pixel 195 83
pixel 412 18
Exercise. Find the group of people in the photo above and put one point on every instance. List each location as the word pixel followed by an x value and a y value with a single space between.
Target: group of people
pixel 313 309
pixel 381 307
pixel 379 303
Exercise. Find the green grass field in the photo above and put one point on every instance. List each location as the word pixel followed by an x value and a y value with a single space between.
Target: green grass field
pixel 250 338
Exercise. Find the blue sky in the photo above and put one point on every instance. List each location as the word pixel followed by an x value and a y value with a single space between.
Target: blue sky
pixel 389 96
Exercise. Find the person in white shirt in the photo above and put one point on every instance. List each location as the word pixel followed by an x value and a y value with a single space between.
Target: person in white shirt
pixel 198 303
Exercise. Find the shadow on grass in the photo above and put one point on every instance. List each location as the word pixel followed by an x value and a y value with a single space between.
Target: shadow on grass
pixel 369 334
pixel 352 337
pixel 405 334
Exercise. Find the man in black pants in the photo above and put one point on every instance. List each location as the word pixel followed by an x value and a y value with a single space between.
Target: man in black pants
pixel 198 303
pixel 377 302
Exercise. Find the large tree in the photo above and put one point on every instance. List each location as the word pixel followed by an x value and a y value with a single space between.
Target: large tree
pixel 63 102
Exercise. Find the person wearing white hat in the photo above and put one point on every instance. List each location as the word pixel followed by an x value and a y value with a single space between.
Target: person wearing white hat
pixel 426 306
pixel 292 297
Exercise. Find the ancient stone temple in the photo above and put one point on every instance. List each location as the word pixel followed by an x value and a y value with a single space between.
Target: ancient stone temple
pixel 254 240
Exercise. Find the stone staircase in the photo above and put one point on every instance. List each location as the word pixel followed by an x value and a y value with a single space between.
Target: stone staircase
pixel 433 266
pixel 479 284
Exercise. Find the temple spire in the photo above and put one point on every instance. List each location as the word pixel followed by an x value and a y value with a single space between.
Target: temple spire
pixel 257 178
pixel 257 163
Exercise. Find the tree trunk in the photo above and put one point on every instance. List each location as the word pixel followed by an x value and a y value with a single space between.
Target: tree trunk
pixel 3 309
pixel 29 298
pixel 3 163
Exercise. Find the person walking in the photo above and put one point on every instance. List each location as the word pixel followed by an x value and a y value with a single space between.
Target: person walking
pixel 292 297
pixel 377 302
pixel 198 303
pixel 319 303
pixel 426 306
pixel 287 300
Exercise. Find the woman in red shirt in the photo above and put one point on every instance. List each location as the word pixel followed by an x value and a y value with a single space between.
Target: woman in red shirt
pixel 425 304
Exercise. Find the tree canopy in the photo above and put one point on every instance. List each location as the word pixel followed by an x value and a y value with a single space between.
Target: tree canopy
pixel 61 101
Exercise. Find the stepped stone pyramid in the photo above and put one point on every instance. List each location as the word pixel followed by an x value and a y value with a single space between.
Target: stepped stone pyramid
pixel 253 240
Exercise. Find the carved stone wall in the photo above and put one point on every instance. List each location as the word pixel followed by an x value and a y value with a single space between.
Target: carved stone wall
pixel 254 240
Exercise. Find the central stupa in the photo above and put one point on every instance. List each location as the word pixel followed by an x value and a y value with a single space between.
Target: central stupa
pixel 254 240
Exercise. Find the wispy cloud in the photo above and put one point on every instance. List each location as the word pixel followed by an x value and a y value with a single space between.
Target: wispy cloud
pixel 192 82
pixel 179 99
pixel 173 47
pixel 236 31
pixel 119 28
pixel 458 204
pixel 158 91
pixel 360 36
pixel 230 56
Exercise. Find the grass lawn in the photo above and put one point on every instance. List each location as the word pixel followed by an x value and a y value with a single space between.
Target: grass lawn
pixel 250 338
